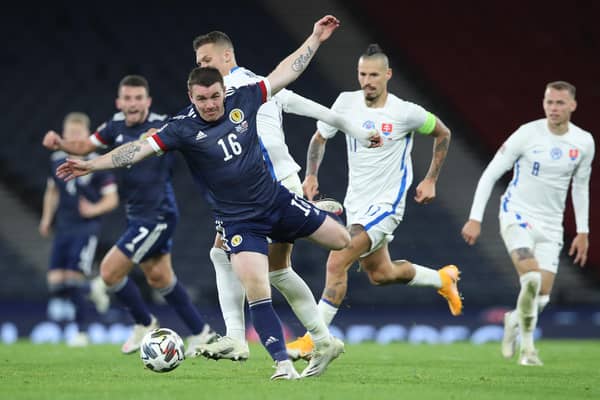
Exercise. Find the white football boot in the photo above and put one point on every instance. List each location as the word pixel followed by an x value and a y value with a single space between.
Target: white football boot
pixel 322 356
pixel 134 341
pixel 98 295
pixel 530 358
pixel 509 339
pixel 225 348
pixel 195 341
pixel 285 370
pixel 330 205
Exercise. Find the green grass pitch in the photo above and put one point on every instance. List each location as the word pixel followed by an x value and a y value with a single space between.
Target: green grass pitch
pixel 367 371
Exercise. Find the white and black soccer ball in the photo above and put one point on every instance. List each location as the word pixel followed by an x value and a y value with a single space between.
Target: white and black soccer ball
pixel 162 350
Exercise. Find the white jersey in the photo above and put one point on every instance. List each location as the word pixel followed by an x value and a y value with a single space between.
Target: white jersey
pixel 544 164
pixel 269 125
pixel 383 174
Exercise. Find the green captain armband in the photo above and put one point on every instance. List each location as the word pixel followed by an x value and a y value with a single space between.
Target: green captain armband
pixel 429 124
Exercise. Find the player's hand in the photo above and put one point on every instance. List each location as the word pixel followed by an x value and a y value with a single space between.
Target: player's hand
pixel 425 191
pixel 471 231
pixel 325 26
pixel 375 140
pixel 87 209
pixel 579 248
pixel 51 140
pixel 44 228
pixel 72 168
pixel 310 187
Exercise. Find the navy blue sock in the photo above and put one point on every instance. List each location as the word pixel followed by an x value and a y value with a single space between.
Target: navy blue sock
pixel 178 298
pixel 129 294
pixel 268 326
pixel 77 296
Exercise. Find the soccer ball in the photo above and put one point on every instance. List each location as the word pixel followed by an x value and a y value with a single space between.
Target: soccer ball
pixel 162 350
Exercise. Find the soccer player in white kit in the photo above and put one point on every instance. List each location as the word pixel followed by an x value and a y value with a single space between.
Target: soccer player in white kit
pixel 215 49
pixel 379 180
pixel 546 155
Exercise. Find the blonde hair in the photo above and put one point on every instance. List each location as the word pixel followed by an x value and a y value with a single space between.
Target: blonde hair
pixel 77 117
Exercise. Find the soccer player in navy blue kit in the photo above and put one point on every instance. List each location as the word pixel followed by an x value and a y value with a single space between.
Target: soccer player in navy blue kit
pixel 151 217
pixel 73 209
pixel 217 135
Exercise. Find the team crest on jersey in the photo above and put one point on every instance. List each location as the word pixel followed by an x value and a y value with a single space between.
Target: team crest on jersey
pixel 119 138
pixel 368 124
pixel 556 153
pixel 573 154
pixel 236 115
pixel 241 128
pixel 236 240
pixel 386 128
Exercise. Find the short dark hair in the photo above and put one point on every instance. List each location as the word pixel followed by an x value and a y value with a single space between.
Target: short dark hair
pixel 204 76
pixel 135 81
pixel 374 51
pixel 215 37
pixel 562 85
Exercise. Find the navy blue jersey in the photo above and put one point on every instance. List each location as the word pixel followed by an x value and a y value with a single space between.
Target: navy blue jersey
pixel 224 156
pixel 67 218
pixel 146 186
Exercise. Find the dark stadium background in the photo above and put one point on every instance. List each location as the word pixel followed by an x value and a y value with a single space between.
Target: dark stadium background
pixel 480 66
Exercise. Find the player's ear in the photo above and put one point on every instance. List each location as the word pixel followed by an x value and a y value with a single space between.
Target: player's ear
pixel 388 74
pixel 149 101
pixel 573 105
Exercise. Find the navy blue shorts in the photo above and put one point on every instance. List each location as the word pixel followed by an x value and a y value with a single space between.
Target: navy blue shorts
pixel 73 252
pixel 290 218
pixel 146 239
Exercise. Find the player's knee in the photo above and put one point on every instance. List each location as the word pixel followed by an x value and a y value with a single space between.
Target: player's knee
pixel 159 278
pixel 377 277
pixel 341 239
pixel 110 276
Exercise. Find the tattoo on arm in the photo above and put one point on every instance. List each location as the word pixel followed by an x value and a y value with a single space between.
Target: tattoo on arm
pixel 523 253
pixel 125 154
pixel 302 61
pixel 440 150
pixel 316 151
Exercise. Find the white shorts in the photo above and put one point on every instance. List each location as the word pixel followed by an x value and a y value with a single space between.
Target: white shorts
pixel 293 184
pixel 379 220
pixel 520 232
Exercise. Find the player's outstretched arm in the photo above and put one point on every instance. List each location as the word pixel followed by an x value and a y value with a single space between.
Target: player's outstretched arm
pixel 50 205
pixel 124 155
pixel 426 189
pixel 53 141
pixel 296 104
pixel 314 157
pixel 293 65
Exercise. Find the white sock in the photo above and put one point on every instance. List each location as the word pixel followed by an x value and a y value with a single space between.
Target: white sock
pixel 231 295
pixel 527 307
pixel 542 300
pixel 425 276
pixel 300 298
pixel 327 311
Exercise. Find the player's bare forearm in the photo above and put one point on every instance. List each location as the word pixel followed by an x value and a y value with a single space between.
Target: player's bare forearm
pixel 314 156
pixel 77 147
pixel 294 65
pixel 440 150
